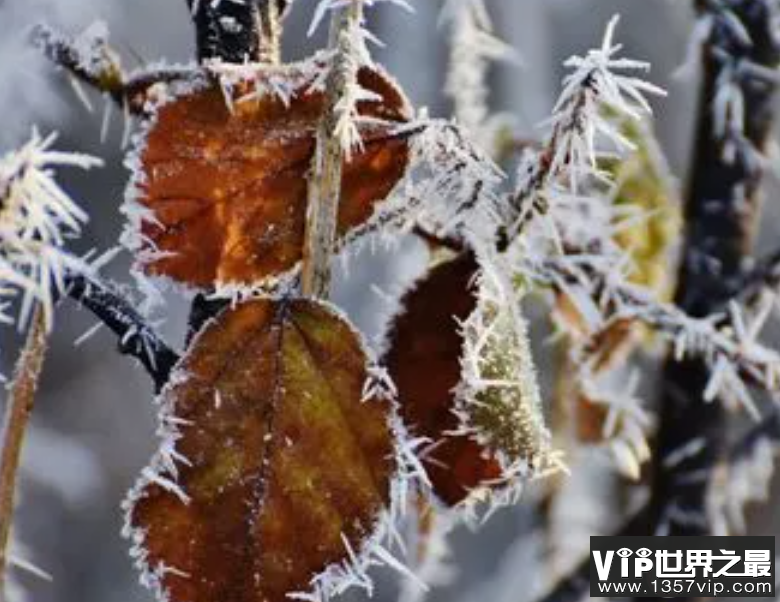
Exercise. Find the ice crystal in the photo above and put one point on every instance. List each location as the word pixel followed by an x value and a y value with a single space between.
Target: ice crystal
pixel 451 187
pixel 595 89
pixel 36 219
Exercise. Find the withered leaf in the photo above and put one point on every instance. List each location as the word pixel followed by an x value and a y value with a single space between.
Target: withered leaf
pixel 281 457
pixel 424 362
pixel 226 190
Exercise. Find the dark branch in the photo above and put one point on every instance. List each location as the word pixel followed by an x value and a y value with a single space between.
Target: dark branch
pixel 203 309
pixel 721 215
pixel 136 338
pixel 229 31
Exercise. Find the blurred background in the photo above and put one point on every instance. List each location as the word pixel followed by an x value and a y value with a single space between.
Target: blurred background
pixel 94 421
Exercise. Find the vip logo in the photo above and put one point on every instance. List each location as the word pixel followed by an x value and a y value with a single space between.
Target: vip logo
pixel 629 567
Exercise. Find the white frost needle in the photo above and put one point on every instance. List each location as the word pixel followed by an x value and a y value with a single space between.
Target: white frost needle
pixel 36 218
pixel 596 96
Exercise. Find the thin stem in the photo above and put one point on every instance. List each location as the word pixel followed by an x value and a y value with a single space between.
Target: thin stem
pixel 271 31
pixel 136 338
pixel 325 183
pixel 21 398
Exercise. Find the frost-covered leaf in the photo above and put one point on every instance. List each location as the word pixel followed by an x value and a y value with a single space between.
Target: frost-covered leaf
pixel 273 467
pixel 423 359
pixel 499 399
pixel 222 180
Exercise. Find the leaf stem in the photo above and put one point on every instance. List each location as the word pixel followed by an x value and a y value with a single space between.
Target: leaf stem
pixel 21 398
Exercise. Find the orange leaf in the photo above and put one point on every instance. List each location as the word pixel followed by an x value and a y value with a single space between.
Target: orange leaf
pixel 424 362
pixel 281 458
pixel 225 192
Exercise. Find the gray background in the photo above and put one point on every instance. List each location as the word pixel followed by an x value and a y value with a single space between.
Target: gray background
pixel 94 423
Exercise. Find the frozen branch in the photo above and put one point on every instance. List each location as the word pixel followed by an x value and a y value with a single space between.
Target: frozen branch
pixel 569 156
pixel 724 343
pixel 473 45
pixel 21 398
pixel 740 56
pixel 136 338
pixel 763 277
pixel 90 59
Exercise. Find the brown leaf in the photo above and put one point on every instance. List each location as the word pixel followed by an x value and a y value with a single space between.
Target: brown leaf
pixel 424 362
pixel 282 457
pixel 590 420
pixel 227 190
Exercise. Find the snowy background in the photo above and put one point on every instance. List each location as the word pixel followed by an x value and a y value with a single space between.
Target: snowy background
pixel 94 423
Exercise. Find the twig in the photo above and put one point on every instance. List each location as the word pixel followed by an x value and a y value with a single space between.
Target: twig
pixel 271 13
pixel 699 339
pixel 98 66
pixel 325 182
pixel 136 338
pixel 21 398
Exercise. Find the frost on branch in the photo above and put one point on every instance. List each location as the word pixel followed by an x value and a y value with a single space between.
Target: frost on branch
pixel 88 58
pixel 569 158
pixel 740 40
pixel 473 45
pixel 36 219
pixel 450 189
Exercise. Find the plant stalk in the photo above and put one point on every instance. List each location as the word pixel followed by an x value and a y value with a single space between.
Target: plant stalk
pixel 21 397
pixel 325 181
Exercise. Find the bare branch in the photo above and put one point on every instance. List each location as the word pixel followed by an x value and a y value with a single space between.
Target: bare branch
pixel 735 117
